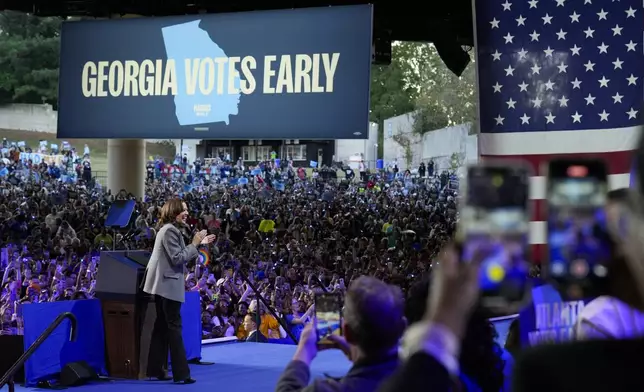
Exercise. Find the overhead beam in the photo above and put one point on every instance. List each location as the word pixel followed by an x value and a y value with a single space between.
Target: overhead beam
pixel 406 19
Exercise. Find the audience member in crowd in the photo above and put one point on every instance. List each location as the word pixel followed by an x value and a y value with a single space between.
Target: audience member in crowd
pixel 269 326
pixel 298 319
pixel 484 365
pixel 372 325
pixel 250 324
pixel 432 346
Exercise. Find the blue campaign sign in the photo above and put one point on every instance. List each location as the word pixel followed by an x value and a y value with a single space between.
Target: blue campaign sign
pixel 288 74
pixel 548 319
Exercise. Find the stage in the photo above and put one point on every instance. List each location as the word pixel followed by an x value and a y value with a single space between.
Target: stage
pixel 243 366
pixel 238 367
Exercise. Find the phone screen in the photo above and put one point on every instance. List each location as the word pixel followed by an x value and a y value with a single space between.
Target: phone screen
pixel 328 314
pixel 494 224
pixel 578 246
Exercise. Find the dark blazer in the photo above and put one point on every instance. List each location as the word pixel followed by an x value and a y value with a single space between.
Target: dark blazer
pixel 256 336
pixel 165 271
pixel 422 373
pixel 364 376
pixel 609 365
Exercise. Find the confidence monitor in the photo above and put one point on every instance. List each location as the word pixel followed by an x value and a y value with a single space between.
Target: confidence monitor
pixel 119 216
pixel 120 274
pixel 120 213
pixel 123 303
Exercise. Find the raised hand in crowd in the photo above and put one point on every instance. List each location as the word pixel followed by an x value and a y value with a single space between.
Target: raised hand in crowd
pixel 455 291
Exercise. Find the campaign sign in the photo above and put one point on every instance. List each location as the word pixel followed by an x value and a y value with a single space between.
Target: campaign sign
pixel 548 319
pixel 288 74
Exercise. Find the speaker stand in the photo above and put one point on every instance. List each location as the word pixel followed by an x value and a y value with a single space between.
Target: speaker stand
pixel 197 361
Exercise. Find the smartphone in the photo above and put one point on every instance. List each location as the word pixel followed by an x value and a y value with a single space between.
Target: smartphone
pixel 494 224
pixel 578 245
pixel 328 315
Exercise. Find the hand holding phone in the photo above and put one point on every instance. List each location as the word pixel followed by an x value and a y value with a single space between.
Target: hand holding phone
pixel 578 243
pixel 328 315
pixel 494 223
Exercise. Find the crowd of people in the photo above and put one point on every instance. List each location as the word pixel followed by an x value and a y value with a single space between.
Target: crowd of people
pixel 20 161
pixel 283 234
pixel 289 234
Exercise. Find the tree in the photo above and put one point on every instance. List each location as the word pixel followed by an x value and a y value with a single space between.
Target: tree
pixel 30 48
pixel 444 99
pixel 405 142
pixel 394 87
pixel 418 81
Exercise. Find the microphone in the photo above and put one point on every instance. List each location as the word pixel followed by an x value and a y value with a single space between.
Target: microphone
pixel 131 234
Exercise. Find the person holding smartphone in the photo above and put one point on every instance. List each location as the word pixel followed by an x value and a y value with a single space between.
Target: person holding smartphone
pixel 164 279
pixel 372 323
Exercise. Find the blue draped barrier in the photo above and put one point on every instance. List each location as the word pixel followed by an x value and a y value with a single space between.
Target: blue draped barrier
pixel 57 350
pixel 501 325
pixel 191 318
pixel 286 340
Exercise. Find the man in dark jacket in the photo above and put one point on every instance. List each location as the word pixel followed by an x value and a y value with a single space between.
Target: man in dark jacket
pixel 250 325
pixel 373 324
pixel 421 170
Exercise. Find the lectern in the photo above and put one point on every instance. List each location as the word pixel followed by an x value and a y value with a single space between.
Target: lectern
pixel 123 303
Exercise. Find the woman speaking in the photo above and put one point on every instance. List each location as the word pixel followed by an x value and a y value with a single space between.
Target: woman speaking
pixel 164 278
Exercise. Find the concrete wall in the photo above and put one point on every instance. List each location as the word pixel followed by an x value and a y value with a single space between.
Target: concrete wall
pixel 392 150
pixel 350 150
pixel 441 144
pixel 438 145
pixel 33 118
pixel 25 117
pixel 189 147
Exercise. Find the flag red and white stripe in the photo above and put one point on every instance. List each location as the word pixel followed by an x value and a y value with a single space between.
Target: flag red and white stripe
pixel 614 146
pixel 559 78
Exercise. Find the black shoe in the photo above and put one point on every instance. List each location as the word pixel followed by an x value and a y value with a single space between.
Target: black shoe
pixel 186 381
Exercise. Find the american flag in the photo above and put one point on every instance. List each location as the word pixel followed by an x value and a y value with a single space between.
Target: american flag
pixel 560 78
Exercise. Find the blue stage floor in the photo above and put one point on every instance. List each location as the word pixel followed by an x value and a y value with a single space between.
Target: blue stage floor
pixel 238 367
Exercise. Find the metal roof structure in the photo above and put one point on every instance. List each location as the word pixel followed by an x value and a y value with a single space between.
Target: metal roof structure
pixel 398 20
